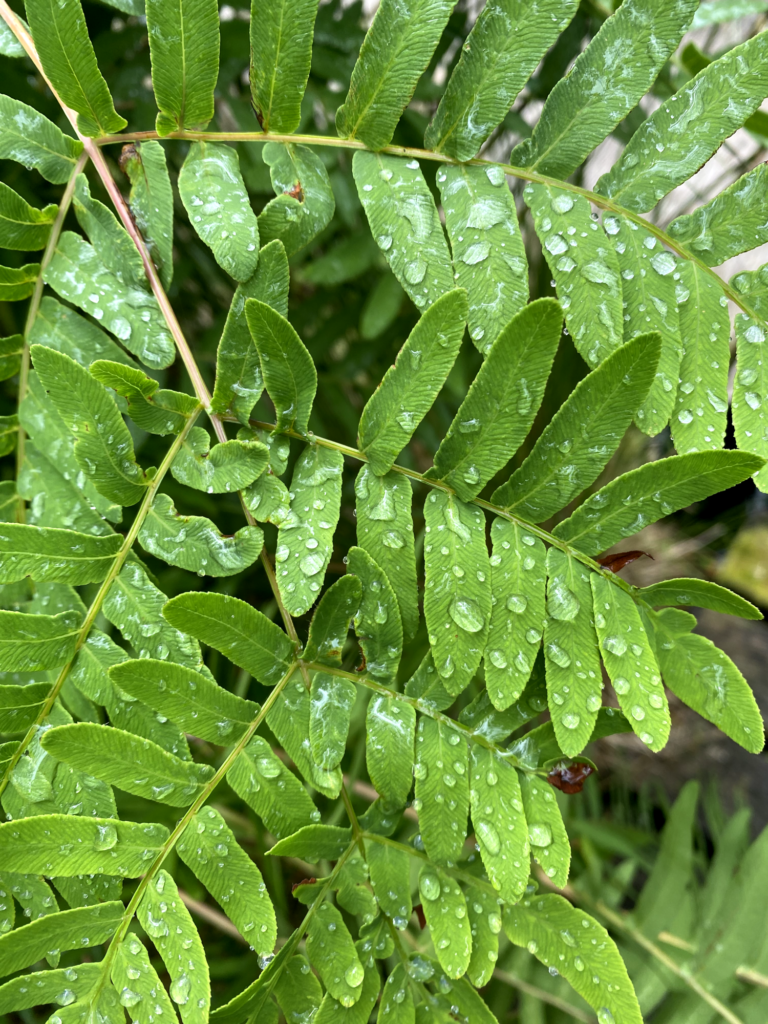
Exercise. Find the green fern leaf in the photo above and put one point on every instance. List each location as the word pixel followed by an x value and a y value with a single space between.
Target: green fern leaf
pixel 57 326
pixel 395 51
pixel 550 846
pixel 390 877
pixel 90 845
pixel 271 790
pixel 268 500
pixel 499 820
pixel 576 445
pixel 574 679
pixel 31 642
pixel 625 57
pixel 385 531
pixel 330 709
pixel 458 600
pixel 518 576
pixel 23 226
pixel 501 404
pixel 442 789
pixel 184 46
pixel 193 701
pixel 239 382
pixel 11 350
pixel 18 283
pixel 134 977
pixel 134 603
pixel 648 288
pixel 194 542
pixel 305 538
pixel 683 133
pixel 66 53
pixel 750 392
pixel 584 267
pixel 485 924
pixel 151 203
pixel 234 882
pixel 396 1005
pixel 239 631
pixel 409 388
pixel 117 757
pixel 287 367
pixel 488 251
pixel 332 952
pixel 330 624
pixel 30 139
pixel 334 1012
pixel 405 224
pixel 304 202
pixel 167 921
pixel 506 43
pixel 630 662
pixel 706 680
pixel 315 843
pixel 483 719
pixel 634 500
pixel 446 912
pixel 699 594
pixel 35 898
pixel 20 705
pixel 297 990
pixel 698 425
pixel 67 930
pixel 731 223
pixel 280 59
pixel 63 555
pixel 40 987
pixel 79 275
pixel 213 191
pixel 108 237
pixel 390 728
pixel 561 936
pixel 153 410
pixel 377 621
pixel 227 467
pixel 288 719
pixel 753 285
pixel 381 307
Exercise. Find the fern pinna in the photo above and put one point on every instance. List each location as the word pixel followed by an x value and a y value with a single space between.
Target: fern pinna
pixel 105 686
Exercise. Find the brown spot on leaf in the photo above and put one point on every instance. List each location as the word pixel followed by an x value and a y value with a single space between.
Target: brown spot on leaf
pixel 297 192
pixel 570 778
pixel 621 559
pixel 128 152
pixel 304 881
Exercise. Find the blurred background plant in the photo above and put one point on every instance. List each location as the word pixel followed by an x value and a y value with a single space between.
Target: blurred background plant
pixel 634 849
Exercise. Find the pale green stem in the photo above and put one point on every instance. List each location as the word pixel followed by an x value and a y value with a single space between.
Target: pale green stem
pixel 95 608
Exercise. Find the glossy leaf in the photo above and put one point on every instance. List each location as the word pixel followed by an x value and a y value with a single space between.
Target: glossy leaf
pixel 395 52
pixel 385 531
pixel 18 283
pixel 30 139
pixel 288 718
pixel 561 936
pixel 625 57
pixel 518 575
pixel 442 789
pixel 389 747
pixel 683 133
pixel 118 757
pixel 630 502
pixel 499 822
pixel 506 43
pixel 133 975
pixel 630 662
pixel 484 916
pixel 377 621
pixel 390 877
pixel 227 467
pixel 330 708
pixel 151 203
pixel 333 954
pixel 405 224
pixel 550 846
pixel 458 600
pixel 11 350
pixel 280 61
pixel 271 790
pixel 184 46
pixel 446 912
pixel 63 555
pixel 330 624
pixel 66 930
pixel 26 991
pixel 396 1005
pixel 576 445
pixel 584 267
pixel 30 642
pixel 57 326
pixel 66 53
pixel 239 380
pixel 23 226
pixel 91 845
pixel 750 392
pixel 503 400
pixel 242 633
pixel 297 990
pixel 488 252
pixel 153 410
pixel 304 202
pixel 197 704
pixel 287 368
pixel 699 594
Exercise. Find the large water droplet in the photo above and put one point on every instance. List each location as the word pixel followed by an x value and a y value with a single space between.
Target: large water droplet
pixel 615 644
pixel 467 614
pixel 517 603
pixel 429 886
pixel 488 837
pixel 558 655
pixel 180 988
pixel 354 974
pixel 562 603
pixel 540 835
pixel 106 837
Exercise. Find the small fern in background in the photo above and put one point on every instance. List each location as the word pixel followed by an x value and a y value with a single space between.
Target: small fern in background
pixel 134 751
